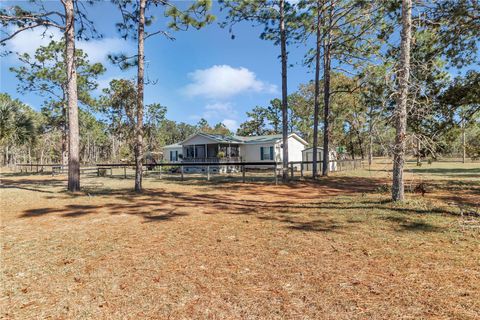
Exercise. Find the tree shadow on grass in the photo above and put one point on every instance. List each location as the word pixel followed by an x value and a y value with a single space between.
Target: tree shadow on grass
pixel 24 174
pixel 303 206
pixel 75 211
pixel 327 216
pixel 316 225
pixel 404 223
pixel 420 226
pixel 32 185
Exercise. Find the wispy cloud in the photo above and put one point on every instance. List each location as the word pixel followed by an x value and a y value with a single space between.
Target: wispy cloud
pixel 224 81
pixel 231 124
pixel 223 112
pixel 218 110
pixel 97 49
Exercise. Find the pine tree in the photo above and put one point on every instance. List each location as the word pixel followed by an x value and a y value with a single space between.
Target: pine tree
pixel 343 31
pixel 45 74
pixel 135 20
pixel 39 17
pixel 279 19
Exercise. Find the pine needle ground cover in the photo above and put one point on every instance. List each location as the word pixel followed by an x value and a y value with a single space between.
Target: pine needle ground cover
pixel 335 249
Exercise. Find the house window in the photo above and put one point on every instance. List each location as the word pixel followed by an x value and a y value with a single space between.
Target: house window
pixel 266 153
pixel 173 155
pixel 189 151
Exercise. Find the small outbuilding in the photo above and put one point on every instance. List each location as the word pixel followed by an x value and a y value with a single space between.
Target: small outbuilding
pixel 307 155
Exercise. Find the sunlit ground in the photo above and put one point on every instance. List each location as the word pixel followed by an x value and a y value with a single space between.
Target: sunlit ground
pixel 333 249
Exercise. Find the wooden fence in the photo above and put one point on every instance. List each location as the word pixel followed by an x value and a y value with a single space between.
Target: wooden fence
pixel 182 169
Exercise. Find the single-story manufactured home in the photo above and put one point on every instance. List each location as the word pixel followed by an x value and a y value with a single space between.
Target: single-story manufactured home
pixel 205 147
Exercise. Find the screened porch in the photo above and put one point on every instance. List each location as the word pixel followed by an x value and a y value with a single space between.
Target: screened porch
pixel 215 152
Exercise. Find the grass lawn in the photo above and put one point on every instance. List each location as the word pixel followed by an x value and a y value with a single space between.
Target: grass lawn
pixel 333 249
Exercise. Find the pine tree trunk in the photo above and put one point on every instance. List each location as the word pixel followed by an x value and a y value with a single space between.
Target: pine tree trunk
pixel 283 48
pixel 326 94
pixel 370 138
pixel 73 132
pixel 64 148
pixel 464 145
pixel 419 159
pixel 64 130
pixel 5 160
pixel 370 150
pixel 352 149
pixel 140 87
pixel 317 93
pixel 401 108
pixel 360 144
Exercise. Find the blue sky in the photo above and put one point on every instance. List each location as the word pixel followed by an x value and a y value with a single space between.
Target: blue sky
pixel 203 73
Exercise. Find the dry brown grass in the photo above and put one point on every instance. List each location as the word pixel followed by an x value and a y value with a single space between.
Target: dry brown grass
pixel 328 250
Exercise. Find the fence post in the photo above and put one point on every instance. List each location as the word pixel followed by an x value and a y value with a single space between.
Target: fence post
pixel 275 173
pixel 124 172
pixel 208 173
pixel 181 171
pixel 31 167
pixel 301 169
pixel 291 170
pixel 243 173
pixel 160 168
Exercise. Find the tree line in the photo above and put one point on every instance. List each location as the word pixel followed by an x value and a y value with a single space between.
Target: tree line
pixel 30 136
pixel 379 72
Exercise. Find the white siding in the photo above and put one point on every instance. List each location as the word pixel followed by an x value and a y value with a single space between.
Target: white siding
pixel 166 153
pixel 251 152
pixel 295 149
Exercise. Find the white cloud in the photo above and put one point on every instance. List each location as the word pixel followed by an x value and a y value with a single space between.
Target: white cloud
pixel 28 41
pixel 223 81
pixel 218 110
pixel 97 49
pixel 215 111
pixel 231 124
pixel 219 106
pixel 104 83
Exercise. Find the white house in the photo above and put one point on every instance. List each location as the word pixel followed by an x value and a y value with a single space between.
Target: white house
pixel 205 147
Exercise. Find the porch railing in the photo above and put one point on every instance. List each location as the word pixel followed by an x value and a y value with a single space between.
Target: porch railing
pixel 212 159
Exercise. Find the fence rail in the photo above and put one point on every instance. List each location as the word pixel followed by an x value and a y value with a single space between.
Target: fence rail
pixel 207 168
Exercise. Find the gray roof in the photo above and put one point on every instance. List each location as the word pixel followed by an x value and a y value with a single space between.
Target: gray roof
pixel 175 145
pixel 240 139
pixel 221 138
pixel 260 139
pixel 310 148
